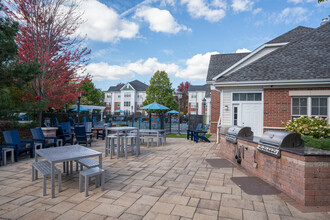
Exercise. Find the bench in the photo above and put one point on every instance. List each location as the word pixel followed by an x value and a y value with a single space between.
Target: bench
pixel 148 139
pixel 92 172
pixel 44 167
pixel 87 162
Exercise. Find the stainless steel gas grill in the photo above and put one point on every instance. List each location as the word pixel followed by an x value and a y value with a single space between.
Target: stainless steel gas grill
pixel 271 142
pixel 237 131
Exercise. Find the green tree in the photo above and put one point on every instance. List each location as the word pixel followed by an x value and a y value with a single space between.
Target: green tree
pixel 91 95
pixel 14 75
pixel 160 90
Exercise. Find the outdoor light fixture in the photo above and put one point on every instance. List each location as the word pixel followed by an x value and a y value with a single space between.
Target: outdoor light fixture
pixel 226 107
pixel 204 104
pixel 179 94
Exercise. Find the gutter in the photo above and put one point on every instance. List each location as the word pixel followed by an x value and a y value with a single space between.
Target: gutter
pixel 274 83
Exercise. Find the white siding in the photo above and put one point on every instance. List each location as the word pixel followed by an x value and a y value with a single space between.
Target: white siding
pixel 227 120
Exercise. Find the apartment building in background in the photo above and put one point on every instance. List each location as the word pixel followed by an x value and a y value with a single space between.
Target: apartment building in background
pixel 196 94
pixel 128 97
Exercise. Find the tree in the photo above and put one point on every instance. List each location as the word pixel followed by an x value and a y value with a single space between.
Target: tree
pixel 160 91
pixel 14 75
pixel 183 87
pixel 47 35
pixel 91 95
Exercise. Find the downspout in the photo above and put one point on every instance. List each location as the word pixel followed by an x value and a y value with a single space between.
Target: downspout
pixel 221 114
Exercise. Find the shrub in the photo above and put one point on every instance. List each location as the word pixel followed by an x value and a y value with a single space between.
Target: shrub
pixel 317 143
pixel 308 126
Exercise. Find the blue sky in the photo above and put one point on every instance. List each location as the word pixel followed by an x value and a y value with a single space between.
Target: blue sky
pixel 132 39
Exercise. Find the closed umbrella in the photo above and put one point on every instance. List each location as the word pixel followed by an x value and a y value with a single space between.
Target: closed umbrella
pixel 172 112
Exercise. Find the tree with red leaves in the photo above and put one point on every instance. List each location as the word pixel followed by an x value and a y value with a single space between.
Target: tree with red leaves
pixel 47 36
pixel 120 84
pixel 183 87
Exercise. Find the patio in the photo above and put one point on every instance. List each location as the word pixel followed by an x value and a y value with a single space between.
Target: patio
pixel 167 182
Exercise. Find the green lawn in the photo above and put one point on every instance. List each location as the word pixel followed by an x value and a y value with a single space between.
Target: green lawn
pixel 183 135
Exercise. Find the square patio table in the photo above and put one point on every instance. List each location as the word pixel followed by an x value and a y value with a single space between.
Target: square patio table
pixel 123 129
pixel 64 154
pixel 148 131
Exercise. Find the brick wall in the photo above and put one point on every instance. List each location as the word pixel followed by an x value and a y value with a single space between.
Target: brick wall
pixel 116 106
pixel 277 107
pixel 215 110
pixel 306 179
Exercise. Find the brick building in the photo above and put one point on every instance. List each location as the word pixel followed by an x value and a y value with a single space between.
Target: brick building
pixel 284 78
pixel 128 97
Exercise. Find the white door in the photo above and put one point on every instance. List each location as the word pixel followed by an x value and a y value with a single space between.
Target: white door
pixel 252 117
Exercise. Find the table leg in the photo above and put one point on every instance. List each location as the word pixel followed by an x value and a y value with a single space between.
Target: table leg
pixel 138 142
pixel 100 161
pixel 118 144
pixel 52 174
pixel 106 140
pixel 157 139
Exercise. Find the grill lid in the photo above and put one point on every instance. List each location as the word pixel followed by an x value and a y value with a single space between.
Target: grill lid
pixel 282 139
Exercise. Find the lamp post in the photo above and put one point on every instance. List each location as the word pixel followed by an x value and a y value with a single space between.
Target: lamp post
pixel 204 103
pixel 78 105
pixel 179 93
pixel 109 106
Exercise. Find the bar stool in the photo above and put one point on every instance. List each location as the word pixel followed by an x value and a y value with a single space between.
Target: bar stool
pixel 133 138
pixel 92 172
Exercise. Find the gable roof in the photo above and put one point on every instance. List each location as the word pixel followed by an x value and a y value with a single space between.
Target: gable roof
pixel 136 84
pixel 220 62
pixel 197 88
pixel 304 59
pixel 292 35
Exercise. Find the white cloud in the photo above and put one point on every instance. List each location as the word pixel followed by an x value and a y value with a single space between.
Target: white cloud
pixel 150 66
pixel 196 67
pixel 242 5
pixel 291 16
pixel 104 24
pixel 160 20
pixel 103 71
pixel 295 1
pixel 211 12
pixel 243 50
pixel 257 11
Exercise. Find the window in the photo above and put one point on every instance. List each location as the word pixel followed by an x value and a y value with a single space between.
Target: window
pixel 118 104
pixel 309 106
pixel 127 104
pixel 127 94
pixel 193 105
pixel 118 96
pixel 246 96
pixel 108 95
pixel 193 95
pixel 299 106
pixel 235 113
pixel 319 107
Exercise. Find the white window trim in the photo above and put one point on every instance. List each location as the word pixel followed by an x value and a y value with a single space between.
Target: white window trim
pixel 309 105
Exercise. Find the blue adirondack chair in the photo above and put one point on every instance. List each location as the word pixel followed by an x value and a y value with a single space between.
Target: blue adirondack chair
pixel 201 134
pixel 12 140
pixel 81 136
pixel 94 120
pixel 88 129
pixel 38 137
pixel 67 138
pixel 66 126
pixel 71 121
pixel 190 132
pixel 100 132
pixel 55 122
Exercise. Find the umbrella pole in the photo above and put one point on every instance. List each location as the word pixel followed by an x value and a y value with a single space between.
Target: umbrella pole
pixel 170 123
pixel 150 120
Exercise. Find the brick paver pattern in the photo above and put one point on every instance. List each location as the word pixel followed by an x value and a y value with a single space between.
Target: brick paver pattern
pixel 167 182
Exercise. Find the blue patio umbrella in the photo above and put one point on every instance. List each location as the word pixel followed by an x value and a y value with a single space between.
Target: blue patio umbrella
pixel 153 106
pixel 120 111
pixel 82 109
pixel 173 112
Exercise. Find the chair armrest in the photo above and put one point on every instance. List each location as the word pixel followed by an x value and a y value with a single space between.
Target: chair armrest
pixel 10 145
pixel 28 142
pixel 79 136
